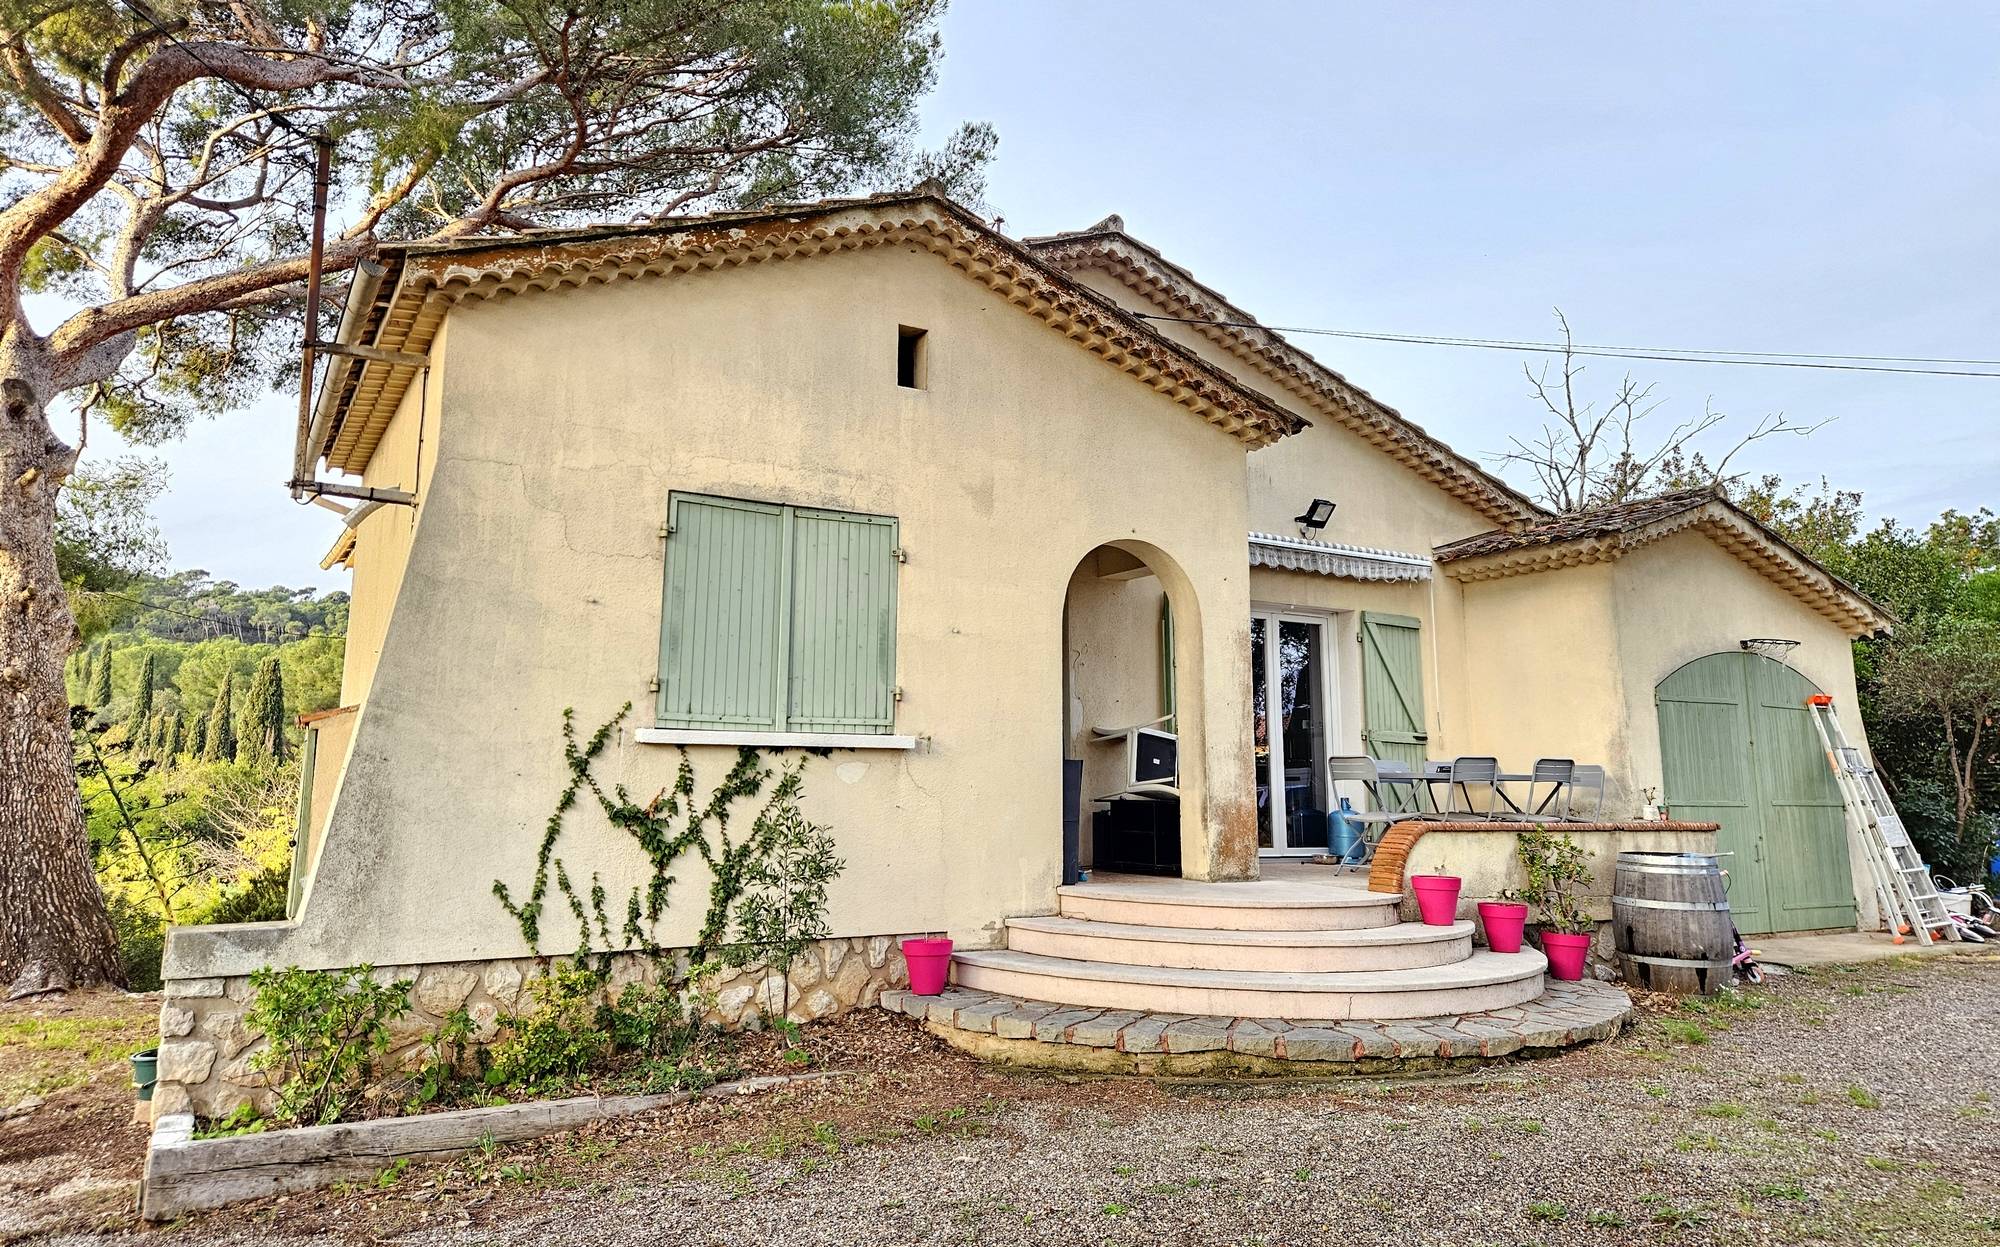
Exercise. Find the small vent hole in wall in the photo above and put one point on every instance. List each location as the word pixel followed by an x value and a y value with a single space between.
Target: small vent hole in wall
pixel 912 357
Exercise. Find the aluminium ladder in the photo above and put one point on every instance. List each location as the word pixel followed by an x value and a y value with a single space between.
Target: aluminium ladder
pixel 1909 898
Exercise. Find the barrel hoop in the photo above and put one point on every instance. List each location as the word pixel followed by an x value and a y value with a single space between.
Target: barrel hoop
pixel 1638 902
pixel 1707 868
pixel 1716 963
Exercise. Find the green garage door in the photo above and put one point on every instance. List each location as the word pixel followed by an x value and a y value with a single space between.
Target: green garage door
pixel 1737 748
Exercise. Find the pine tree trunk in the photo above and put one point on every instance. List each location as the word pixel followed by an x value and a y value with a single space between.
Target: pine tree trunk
pixel 54 931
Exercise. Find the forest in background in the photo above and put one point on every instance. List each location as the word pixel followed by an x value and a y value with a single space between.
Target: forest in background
pixel 187 702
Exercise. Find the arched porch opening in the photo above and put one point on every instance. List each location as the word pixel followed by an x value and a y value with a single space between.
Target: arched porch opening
pixel 1134 715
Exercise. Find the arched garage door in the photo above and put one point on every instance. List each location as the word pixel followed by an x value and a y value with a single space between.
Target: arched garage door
pixel 1737 748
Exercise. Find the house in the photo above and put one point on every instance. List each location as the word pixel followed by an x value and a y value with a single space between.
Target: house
pixel 870 479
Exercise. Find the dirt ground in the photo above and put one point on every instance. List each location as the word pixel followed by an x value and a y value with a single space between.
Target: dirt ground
pixel 1848 1105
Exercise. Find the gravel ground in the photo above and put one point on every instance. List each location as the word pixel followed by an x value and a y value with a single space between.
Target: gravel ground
pixel 1850 1106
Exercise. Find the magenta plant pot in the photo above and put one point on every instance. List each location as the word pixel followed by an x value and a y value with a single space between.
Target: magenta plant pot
pixel 930 965
pixel 1437 898
pixel 1566 954
pixel 1504 921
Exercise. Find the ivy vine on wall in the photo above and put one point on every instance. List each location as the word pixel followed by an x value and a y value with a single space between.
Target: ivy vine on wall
pixel 767 895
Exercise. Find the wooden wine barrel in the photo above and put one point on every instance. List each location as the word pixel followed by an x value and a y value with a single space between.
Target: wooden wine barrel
pixel 1670 918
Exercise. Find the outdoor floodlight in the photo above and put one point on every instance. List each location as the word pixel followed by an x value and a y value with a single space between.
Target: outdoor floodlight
pixel 1315 516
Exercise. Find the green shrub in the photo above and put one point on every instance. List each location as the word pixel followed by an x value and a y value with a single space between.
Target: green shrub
pixel 562 1038
pixel 325 1029
pixel 262 899
pixel 142 939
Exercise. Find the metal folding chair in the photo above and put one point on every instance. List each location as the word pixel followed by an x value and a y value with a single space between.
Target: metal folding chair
pixel 1554 772
pixel 1584 779
pixel 1466 774
pixel 1368 773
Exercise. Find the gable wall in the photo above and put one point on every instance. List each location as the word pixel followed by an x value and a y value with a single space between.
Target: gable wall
pixel 403 460
pixel 1381 503
pixel 534 584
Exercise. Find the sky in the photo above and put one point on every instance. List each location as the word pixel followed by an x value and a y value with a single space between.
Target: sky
pixel 1771 177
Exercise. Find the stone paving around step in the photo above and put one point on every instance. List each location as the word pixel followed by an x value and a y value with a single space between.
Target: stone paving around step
pixel 1565 1014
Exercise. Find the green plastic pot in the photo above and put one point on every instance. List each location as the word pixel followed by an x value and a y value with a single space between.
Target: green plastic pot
pixel 146 1071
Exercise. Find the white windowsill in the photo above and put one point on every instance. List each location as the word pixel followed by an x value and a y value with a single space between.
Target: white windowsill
pixel 771 740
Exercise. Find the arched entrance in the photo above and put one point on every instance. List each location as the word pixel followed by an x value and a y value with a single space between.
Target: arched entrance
pixel 1132 725
pixel 1737 748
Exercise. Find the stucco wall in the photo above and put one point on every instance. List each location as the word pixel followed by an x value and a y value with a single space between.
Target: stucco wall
pixel 1541 677
pixel 403 460
pixel 1684 597
pixel 1381 503
pixel 535 580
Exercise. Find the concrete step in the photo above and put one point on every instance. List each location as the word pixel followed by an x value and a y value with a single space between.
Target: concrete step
pixel 1257 905
pixel 1483 981
pixel 1406 946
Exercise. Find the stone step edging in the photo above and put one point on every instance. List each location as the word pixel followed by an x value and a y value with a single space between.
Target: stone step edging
pixel 1038 1035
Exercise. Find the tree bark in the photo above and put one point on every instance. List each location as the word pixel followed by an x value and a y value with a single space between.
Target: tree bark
pixel 54 931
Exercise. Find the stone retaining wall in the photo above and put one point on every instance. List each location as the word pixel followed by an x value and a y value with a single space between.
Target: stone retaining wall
pixel 206 1049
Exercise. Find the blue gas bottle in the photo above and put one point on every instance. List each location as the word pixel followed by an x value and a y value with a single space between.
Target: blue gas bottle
pixel 1343 834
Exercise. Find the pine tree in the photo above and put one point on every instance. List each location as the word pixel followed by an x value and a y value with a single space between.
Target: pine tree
pixel 264 715
pixel 219 739
pixel 99 695
pixel 142 695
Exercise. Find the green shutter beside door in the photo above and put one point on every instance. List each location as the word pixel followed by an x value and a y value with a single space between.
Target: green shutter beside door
pixel 1392 687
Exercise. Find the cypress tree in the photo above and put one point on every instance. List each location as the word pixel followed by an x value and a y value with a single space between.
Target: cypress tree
pixel 264 716
pixel 197 736
pixel 142 694
pixel 99 695
pixel 219 740
pixel 170 736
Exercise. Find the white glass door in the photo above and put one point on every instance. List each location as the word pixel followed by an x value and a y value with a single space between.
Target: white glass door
pixel 1291 707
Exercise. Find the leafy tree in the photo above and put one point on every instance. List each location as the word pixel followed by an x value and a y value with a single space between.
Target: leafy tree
pixel 218 741
pixel 264 719
pixel 159 164
pixel 105 538
pixel 1926 689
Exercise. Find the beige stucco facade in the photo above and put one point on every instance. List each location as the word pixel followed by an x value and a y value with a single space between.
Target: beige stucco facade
pixel 1050 491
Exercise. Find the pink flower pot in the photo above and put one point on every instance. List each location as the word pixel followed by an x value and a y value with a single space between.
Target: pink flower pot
pixel 1503 921
pixel 930 965
pixel 1566 954
pixel 1437 898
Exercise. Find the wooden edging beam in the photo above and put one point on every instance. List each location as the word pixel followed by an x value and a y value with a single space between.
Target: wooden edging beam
pixel 185 1174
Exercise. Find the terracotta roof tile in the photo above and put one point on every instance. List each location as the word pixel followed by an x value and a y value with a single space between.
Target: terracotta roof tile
pixel 1607 521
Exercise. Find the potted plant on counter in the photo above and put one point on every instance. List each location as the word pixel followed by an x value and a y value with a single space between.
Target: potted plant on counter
pixel 1554 867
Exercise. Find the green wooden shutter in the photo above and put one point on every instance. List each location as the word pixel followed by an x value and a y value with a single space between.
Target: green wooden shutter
pixel 1392 687
pixel 842 623
pixel 1169 694
pixel 723 614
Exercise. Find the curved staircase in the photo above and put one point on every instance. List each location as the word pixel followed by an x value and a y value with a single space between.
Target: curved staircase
pixel 1289 946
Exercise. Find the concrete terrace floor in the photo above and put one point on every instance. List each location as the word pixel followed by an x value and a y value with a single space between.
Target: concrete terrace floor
pixel 1849 1105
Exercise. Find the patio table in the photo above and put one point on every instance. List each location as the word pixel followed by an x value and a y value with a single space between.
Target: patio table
pixel 1435 773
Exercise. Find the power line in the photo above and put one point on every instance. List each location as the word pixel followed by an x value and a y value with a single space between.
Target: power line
pixel 1670 355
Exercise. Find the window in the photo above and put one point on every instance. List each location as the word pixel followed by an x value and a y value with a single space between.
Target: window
pixel 777 618
pixel 912 358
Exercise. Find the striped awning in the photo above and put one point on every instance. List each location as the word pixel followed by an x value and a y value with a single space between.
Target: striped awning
pixel 1324 558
